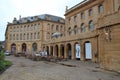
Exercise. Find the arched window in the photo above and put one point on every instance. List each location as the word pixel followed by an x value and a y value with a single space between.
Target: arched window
pixel 69 31
pixel 82 27
pixel 91 25
pixel 48 35
pixel 100 8
pixel 48 27
pixel 82 15
pixel 90 12
pixel 75 29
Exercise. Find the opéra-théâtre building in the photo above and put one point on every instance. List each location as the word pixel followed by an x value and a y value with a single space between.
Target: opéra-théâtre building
pixel 91 32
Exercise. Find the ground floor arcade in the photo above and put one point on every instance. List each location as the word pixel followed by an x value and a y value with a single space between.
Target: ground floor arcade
pixel 86 49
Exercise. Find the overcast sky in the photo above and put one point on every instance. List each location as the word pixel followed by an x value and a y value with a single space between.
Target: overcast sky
pixel 13 8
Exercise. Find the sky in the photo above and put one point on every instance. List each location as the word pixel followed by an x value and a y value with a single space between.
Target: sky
pixel 14 8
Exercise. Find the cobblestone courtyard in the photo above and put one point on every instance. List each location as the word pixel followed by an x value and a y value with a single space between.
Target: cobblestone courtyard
pixel 26 69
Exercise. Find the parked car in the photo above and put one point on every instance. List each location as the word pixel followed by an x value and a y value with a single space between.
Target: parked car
pixel 7 53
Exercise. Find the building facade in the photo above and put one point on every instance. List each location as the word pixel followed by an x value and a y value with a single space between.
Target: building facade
pixel 92 28
pixel 26 35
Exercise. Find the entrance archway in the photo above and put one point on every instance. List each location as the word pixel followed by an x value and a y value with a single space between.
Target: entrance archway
pixel 24 48
pixel 34 46
pixel 62 50
pixel 56 50
pixel 88 50
pixel 51 50
pixel 69 51
pixel 47 49
pixel 77 48
pixel 13 48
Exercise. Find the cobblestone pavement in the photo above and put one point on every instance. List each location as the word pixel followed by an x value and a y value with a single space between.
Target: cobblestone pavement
pixel 26 69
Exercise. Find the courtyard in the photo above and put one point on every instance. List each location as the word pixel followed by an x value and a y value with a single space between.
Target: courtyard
pixel 26 69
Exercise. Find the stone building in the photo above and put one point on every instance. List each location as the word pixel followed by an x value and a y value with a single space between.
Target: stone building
pixel 27 34
pixel 92 30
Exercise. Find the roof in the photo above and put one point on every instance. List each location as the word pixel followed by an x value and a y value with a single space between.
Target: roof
pixel 47 17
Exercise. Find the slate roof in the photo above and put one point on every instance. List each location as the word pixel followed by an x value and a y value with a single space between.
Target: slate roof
pixel 47 17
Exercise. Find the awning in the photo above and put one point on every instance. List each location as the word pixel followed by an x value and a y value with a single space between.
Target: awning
pixel 56 34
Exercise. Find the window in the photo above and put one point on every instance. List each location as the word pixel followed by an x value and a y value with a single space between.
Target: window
pixel 75 19
pixel 20 36
pixel 82 27
pixel 24 27
pixel 91 24
pixel 57 28
pixel 90 12
pixel 34 35
pixel 75 29
pixel 69 31
pixel 27 36
pixel 61 28
pixel 38 36
pixel 100 8
pixel 31 35
pixel 24 36
pixel 69 21
pixel 10 37
pixel 13 36
pixel 28 28
pixel 82 15
pixel 17 37
pixel 48 35
pixel 48 27
pixel 52 27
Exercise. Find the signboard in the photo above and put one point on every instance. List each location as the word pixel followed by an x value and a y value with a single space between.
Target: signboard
pixel 77 48
pixel 88 50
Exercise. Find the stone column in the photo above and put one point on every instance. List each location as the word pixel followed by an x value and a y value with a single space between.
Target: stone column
pixel 49 50
pixel 73 51
pixel 54 51
pixel 65 51
pixel 59 51
pixel 82 52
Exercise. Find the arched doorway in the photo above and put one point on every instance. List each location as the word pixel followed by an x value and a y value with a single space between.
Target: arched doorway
pixel 51 50
pixel 62 50
pixel 77 51
pixel 47 49
pixel 13 48
pixel 69 51
pixel 34 47
pixel 88 50
pixel 56 50
pixel 24 48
